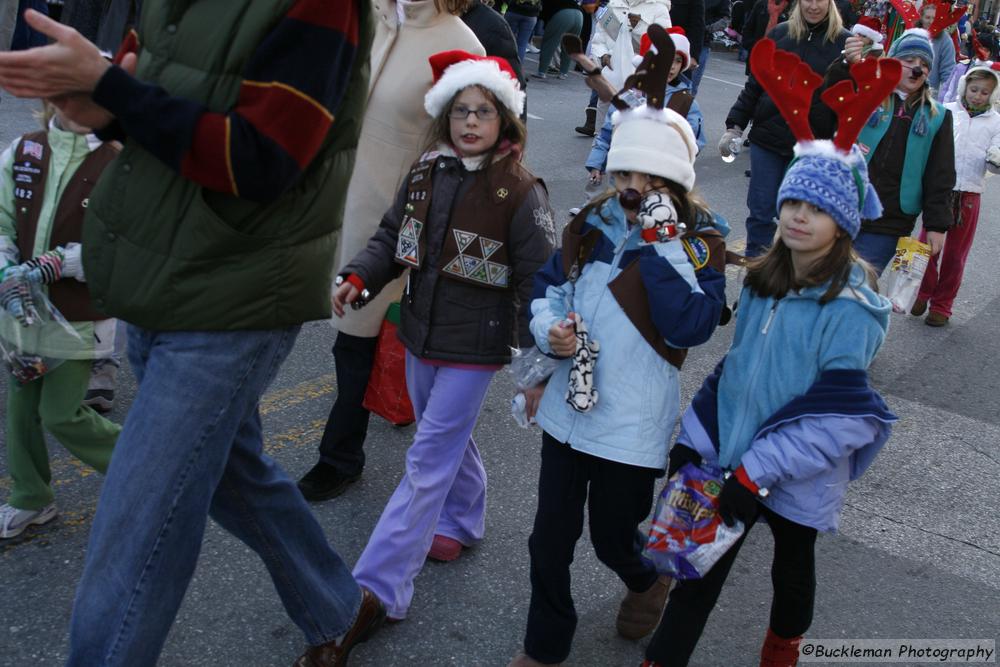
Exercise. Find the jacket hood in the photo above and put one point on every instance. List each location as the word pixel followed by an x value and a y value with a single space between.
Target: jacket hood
pixel 857 291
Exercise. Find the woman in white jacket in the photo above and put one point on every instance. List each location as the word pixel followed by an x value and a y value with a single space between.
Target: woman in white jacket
pixel 977 150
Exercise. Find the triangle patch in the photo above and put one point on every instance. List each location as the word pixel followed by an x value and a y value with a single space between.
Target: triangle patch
pixel 455 267
pixel 464 239
pixel 488 246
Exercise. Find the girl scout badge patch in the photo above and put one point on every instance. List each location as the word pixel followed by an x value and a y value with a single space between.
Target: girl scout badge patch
pixel 697 251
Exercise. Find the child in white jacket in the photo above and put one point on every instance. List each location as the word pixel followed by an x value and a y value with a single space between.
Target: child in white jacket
pixel 977 150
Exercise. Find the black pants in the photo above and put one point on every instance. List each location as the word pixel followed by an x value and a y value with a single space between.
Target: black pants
pixel 793 575
pixel 343 440
pixel 620 497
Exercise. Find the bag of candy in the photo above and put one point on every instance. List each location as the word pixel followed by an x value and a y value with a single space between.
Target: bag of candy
pixel 906 272
pixel 34 336
pixel 687 536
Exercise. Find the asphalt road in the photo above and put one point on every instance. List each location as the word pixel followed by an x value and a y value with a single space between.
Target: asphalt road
pixel 917 556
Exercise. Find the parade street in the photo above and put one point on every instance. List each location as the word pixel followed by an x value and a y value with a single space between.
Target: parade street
pixel 917 555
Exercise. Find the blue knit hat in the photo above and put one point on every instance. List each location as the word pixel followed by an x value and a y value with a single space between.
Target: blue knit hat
pixel 833 181
pixel 913 42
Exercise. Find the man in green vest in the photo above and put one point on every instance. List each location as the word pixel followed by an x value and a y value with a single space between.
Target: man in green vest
pixel 213 235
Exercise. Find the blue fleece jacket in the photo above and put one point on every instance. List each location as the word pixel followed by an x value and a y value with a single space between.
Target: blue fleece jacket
pixel 791 401
pixel 638 390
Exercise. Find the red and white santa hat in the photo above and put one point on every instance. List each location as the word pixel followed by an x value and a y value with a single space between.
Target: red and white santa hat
pixel 989 68
pixel 870 27
pixel 457 70
pixel 682 46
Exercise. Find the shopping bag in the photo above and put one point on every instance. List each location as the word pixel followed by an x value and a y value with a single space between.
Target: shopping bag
pixel 687 536
pixel 386 393
pixel 621 60
pixel 41 340
pixel 906 272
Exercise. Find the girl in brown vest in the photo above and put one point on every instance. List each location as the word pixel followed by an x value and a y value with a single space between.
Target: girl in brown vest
pixel 473 226
pixel 47 179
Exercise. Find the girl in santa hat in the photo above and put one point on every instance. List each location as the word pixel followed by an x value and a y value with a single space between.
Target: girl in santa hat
pixel 472 225
pixel 977 151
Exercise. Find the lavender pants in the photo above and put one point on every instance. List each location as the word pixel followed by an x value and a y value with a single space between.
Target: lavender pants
pixel 443 490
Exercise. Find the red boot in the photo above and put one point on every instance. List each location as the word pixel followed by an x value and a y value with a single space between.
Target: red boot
pixel 778 651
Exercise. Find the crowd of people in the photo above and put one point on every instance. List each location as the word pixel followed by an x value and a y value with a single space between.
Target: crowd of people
pixel 364 156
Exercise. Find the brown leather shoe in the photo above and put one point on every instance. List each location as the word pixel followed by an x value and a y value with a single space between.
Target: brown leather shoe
pixel 640 612
pixel 370 617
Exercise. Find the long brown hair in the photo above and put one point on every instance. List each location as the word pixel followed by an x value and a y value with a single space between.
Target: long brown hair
pixel 773 273
pixel 511 129
pixel 453 7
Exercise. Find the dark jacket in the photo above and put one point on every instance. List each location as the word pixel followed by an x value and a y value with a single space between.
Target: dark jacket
pixel 690 15
pixel 525 7
pixel 717 15
pixel 494 33
pixel 755 24
pixel 447 319
pixel 886 172
pixel 769 129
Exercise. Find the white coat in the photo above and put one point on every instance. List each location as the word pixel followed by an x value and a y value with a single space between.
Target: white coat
pixel 973 138
pixel 394 130
pixel 650 12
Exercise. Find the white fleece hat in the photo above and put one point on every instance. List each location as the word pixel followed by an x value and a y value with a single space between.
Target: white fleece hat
pixel 990 68
pixel 658 142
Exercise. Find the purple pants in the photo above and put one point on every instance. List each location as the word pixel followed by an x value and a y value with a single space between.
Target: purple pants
pixel 443 490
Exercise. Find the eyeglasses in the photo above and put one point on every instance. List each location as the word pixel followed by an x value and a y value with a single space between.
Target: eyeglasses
pixel 459 112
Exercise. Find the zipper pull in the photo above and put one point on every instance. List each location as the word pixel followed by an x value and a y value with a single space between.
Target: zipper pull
pixel 770 318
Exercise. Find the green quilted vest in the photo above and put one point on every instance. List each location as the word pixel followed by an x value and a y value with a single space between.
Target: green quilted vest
pixel 163 253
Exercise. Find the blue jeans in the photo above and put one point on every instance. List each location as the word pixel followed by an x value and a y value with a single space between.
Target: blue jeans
pixel 766 171
pixel 876 249
pixel 192 447
pixel 696 75
pixel 522 26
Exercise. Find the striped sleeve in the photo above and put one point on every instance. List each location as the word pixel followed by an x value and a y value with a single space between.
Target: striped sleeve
pixel 291 89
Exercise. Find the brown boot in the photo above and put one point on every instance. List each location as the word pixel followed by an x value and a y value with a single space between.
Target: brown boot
pixel 371 615
pixel 640 612
pixel 522 659
pixel 919 307
pixel 936 320
pixel 778 651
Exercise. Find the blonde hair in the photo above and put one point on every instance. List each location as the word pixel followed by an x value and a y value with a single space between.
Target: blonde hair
pixel 45 114
pixel 799 29
pixel 921 97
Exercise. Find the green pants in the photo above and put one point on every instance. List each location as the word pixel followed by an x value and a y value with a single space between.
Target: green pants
pixel 53 403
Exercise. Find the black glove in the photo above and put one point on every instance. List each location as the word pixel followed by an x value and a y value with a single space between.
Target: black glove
pixel 737 503
pixel 680 455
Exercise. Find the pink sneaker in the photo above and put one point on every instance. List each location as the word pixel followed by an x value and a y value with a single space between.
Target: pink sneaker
pixel 444 549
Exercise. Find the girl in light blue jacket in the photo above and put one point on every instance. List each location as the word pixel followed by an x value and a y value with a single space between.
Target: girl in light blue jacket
pixel 618 305
pixel 789 411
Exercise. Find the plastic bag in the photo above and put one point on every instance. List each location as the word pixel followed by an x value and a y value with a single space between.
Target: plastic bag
pixel 42 342
pixel 386 394
pixel 621 60
pixel 906 272
pixel 529 368
pixel 687 536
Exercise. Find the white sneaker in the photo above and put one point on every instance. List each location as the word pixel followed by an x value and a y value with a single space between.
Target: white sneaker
pixel 13 521
pixel 532 48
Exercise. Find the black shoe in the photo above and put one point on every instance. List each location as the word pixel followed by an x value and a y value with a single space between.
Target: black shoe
pixel 324 482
